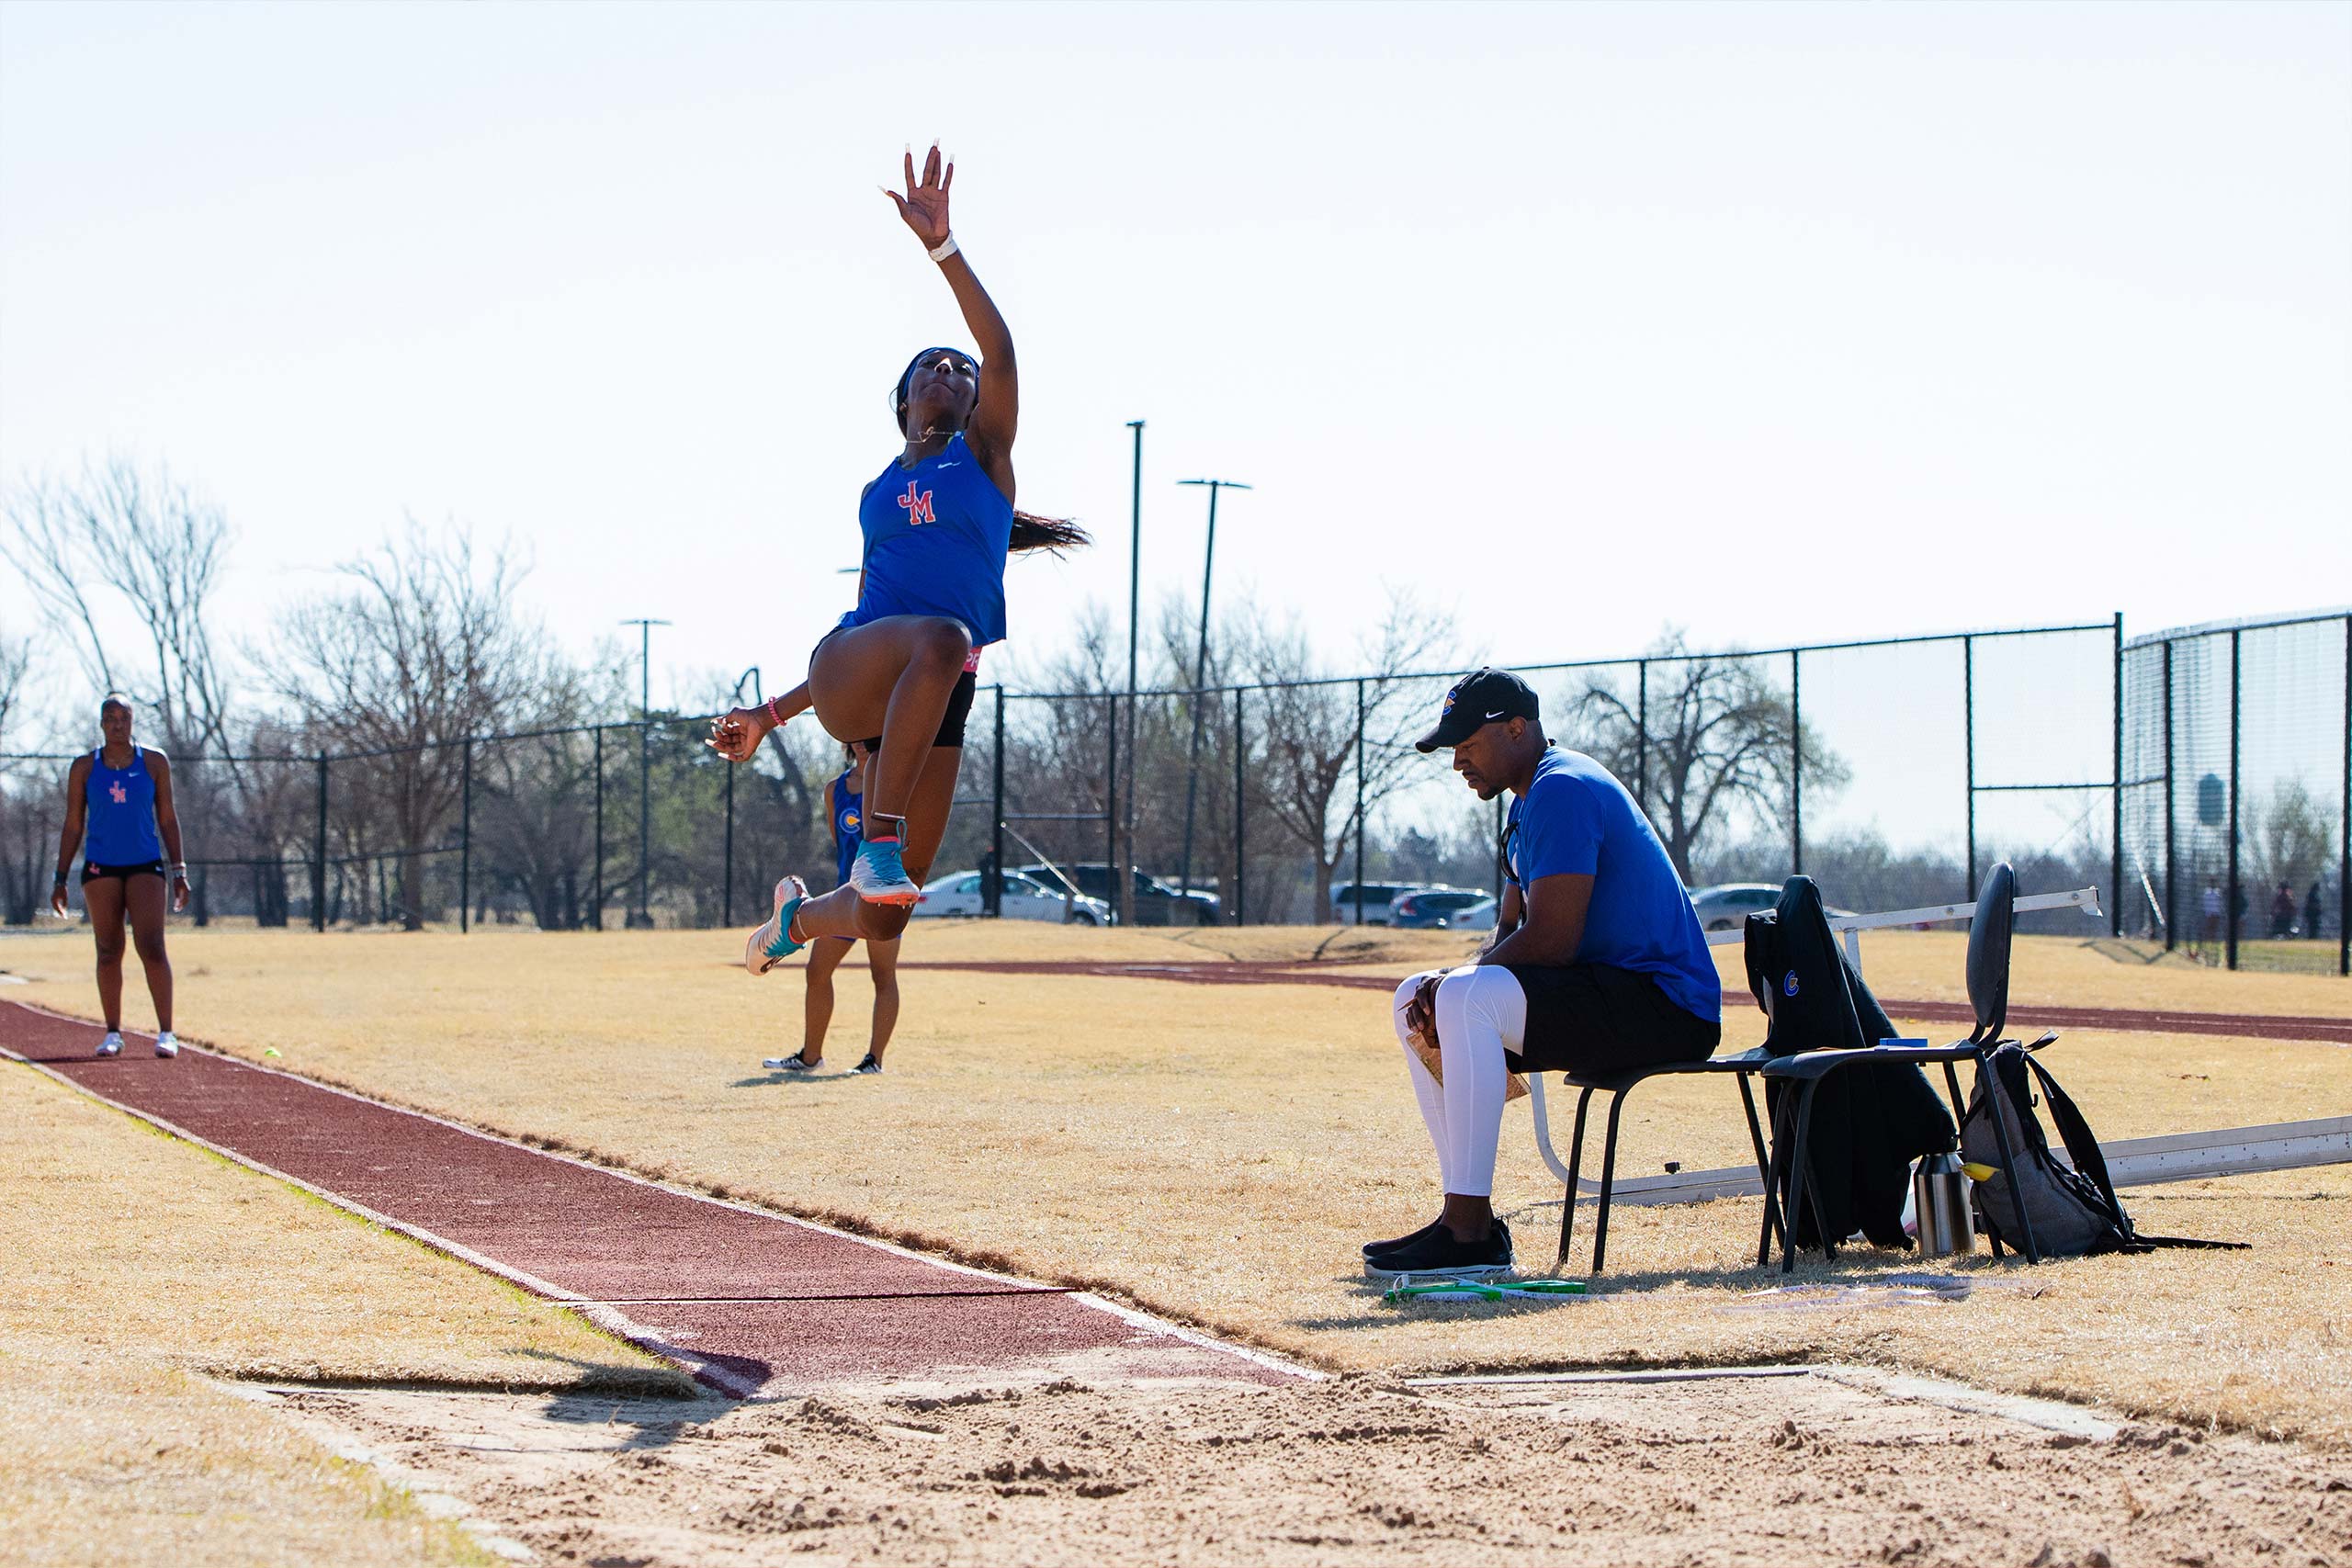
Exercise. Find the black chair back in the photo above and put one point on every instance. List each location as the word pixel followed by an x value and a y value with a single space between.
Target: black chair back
pixel 1988 950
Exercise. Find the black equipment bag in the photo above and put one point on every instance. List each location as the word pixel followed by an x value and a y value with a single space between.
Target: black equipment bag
pixel 1871 1119
pixel 2075 1210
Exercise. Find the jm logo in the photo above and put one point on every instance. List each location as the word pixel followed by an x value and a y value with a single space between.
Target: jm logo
pixel 917 505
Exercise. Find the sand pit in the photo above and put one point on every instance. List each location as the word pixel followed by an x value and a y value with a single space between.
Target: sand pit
pixel 1782 1469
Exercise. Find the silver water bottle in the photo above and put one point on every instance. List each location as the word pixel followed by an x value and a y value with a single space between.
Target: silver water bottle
pixel 1939 1205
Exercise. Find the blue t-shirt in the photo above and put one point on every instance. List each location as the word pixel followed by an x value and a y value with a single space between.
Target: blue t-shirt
pixel 1576 819
pixel 936 535
pixel 120 813
pixel 849 826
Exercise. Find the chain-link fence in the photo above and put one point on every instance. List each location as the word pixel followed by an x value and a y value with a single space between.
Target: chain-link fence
pixel 2235 793
pixel 2196 778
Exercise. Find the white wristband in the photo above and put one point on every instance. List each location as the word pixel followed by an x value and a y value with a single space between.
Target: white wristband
pixel 947 247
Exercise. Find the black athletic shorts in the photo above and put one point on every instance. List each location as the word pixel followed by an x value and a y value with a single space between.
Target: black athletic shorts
pixel 92 870
pixel 959 708
pixel 1595 1022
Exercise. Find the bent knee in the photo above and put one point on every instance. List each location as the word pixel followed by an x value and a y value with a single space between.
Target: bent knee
pixel 944 643
pixel 880 922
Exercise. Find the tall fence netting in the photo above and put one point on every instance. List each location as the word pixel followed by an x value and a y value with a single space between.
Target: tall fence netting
pixel 2195 779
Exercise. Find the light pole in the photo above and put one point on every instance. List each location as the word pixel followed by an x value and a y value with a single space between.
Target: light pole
pixel 1122 879
pixel 1201 671
pixel 641 918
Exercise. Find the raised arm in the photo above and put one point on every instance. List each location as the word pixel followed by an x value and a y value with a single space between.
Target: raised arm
pixel 77 788
pixel 998 415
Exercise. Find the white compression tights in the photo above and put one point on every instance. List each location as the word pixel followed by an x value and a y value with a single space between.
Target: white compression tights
pixel 1481 1014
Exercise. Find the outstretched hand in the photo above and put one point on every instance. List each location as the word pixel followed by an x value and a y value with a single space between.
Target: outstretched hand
pixel 924 206
pixel 736 734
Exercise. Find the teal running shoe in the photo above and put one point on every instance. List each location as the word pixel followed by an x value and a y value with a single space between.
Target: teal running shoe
pixel 880 876
pixel 771 943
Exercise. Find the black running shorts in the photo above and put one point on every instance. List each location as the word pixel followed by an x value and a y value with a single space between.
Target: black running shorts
pixel 1595 1021
pixel 959 708
pixel 92 870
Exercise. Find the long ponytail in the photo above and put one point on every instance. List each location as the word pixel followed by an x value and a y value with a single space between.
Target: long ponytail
pixel 1031 531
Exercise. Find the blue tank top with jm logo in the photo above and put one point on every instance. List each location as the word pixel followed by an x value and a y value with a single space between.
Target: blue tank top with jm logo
pixel 936 537
pixel 122 812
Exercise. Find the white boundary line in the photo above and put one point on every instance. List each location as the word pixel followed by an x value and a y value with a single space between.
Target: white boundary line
pixel 2050 1415
pixel 605 1317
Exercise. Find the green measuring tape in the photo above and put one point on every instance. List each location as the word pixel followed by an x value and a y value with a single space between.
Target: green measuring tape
pixel 1518 1290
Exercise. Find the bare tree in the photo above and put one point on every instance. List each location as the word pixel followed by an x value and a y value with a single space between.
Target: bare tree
pixel 15 666
pixel 2292 839
pixel 1311 731
pixel 1718 736
pixel 422 652
pixel 157 546
pixel 22 820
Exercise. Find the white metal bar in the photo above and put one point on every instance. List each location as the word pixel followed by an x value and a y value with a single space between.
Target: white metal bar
pixel 2086 898
pixel 1543 1129
pixel 2133 1162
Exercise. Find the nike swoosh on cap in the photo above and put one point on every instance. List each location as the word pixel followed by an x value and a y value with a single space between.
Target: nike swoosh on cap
pixel 1494 716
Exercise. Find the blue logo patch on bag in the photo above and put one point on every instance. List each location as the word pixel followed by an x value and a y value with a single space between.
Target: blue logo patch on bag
pixel 1789 985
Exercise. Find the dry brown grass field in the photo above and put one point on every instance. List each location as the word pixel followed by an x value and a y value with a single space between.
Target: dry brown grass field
pixel 137 1262
pixel 1216 1153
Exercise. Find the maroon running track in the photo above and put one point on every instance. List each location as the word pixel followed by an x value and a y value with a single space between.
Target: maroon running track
pixel 749 1302
pixel 2022 1015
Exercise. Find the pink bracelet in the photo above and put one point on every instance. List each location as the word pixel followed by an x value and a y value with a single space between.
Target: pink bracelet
pixel 775 718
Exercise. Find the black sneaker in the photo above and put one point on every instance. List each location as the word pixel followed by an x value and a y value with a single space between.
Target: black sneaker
pixel 791 1064
pixel 869 1064
pixel 1435 1255
pixel 1372 1249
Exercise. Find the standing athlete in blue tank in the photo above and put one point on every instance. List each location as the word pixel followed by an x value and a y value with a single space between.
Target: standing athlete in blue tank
pixel 845 801
pixel 122 794
pixel 901 667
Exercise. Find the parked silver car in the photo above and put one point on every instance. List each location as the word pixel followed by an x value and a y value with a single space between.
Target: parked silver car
pixel 959 893
pixel 1726 906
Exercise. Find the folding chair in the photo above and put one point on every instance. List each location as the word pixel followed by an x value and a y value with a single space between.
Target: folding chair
pixel 1789 1169
pixel 1745 1064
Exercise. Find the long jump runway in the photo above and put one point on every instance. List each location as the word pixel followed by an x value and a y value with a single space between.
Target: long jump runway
pixel 749 1302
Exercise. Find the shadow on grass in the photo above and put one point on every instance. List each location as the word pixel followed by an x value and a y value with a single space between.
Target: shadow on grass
pixel 769 1079
pixel 1817 1283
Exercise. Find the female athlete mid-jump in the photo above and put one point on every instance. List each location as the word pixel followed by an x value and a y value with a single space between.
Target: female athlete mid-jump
pixel 122 794
pixel 900 670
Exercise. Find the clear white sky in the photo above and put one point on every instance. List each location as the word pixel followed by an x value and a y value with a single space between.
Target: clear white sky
pixel 1778 322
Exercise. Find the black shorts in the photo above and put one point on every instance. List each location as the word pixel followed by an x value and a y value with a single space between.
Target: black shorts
pixel 1596 1022
pixel 92 870
pixel 959 708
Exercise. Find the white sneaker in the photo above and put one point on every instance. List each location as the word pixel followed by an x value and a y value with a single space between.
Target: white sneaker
pixel 112 1044
pixel 770 942
pixel 167 1044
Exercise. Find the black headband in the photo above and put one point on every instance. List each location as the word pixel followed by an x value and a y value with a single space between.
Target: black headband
pixel 899 392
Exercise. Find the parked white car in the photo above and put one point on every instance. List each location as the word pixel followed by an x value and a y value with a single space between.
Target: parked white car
pixel 1025 899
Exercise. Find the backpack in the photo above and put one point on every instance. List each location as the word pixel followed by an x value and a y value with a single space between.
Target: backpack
pixel 1870 1121
pixel 2073 1209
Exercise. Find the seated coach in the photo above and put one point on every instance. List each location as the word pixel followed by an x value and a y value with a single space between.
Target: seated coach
pixel 1597 965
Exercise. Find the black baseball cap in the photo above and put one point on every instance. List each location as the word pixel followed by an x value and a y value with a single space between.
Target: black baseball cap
pixel 1482 698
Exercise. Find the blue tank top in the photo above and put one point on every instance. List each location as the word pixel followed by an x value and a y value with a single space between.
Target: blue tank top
pixel 936 535
pixel 122 812
pixel 849 826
